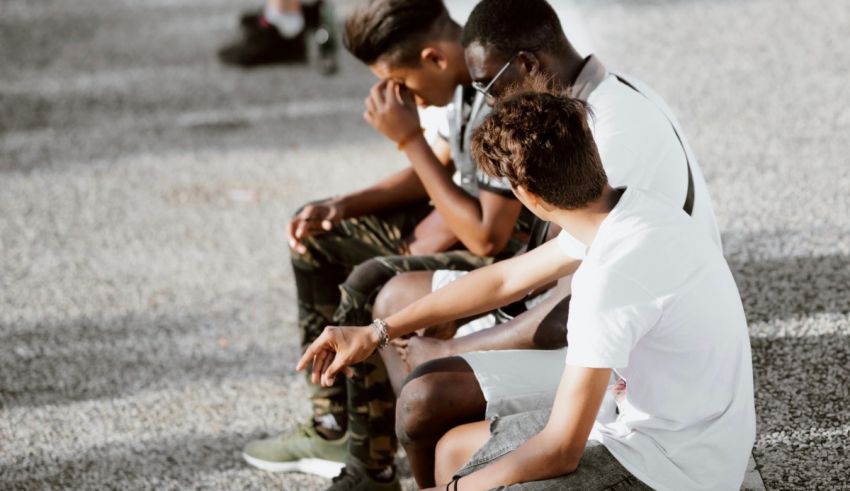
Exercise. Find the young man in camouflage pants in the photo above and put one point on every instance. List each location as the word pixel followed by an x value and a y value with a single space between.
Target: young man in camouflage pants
pixel 344 249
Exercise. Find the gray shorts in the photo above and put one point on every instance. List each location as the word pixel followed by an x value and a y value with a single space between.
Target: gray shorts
pixel 516 381
pixel 598 469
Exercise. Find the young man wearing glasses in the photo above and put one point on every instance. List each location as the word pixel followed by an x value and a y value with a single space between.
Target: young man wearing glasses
pixel 345 248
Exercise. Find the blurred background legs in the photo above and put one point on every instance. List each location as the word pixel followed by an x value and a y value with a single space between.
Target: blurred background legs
pixel 285 32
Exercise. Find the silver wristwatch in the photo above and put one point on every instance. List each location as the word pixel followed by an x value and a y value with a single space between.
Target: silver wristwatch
pixel 380 328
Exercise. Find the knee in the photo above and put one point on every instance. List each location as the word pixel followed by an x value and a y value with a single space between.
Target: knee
pixel 368 276
pixel 416 409
pixel 450 455
pixel 402 290
pixel 391 298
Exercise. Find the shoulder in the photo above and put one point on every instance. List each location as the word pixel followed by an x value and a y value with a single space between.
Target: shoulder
pixel 616 103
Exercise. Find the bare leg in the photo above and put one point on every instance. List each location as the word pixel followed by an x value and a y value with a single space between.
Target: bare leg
pixel 402 290
pixel 458 446
pixel 398 293
pixel 438 396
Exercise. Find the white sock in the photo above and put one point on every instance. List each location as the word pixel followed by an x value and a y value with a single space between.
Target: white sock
pixel 289 24
pixel 327 421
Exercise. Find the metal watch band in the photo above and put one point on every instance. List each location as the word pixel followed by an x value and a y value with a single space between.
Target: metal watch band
pixel 380 327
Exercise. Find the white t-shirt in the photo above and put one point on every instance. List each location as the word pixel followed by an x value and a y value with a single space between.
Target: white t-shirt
pixel 639 149
pixel 657 303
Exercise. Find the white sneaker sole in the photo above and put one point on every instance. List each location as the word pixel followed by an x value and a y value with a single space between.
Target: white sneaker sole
pixel 318 467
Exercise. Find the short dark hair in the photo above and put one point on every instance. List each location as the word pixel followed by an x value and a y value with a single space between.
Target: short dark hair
pixel 542 142
pixel 509 26
pixel 395 30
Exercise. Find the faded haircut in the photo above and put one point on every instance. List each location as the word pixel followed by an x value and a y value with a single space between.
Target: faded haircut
pixel 394 31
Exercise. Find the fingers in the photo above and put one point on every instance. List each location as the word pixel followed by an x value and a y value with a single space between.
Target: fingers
pixel 406 97
pixel 402 352
pixel 299 225
pixel 321 343
pixel 330 372
pixel 312 220
pixel 377 93
pixel 371 108
pixel 391 93
pixel 296 225
pixel 304 229
pixel 290 232
pixel 400 94
pixel 320 362
pixel 330 217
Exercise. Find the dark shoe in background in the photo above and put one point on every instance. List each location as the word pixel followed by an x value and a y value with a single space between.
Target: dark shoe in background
pixel 261 43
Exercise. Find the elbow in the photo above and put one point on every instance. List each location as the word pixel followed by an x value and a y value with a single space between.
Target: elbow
pixel 487 246
pixel 483 249
pixel 562 463
pixel 569 465
pixel 564 458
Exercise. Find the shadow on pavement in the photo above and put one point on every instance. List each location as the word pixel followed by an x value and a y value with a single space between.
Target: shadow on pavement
pixel 793 286
pixel 108 358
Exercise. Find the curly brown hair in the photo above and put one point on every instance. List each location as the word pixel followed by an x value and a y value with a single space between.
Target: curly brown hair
pixel 542 142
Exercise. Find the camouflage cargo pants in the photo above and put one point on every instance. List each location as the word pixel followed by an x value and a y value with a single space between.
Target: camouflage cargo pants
pixel 371 400
pixel 337 279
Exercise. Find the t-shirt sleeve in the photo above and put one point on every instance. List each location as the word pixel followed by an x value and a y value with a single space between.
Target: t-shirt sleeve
pixel 609 314
pixel 500 186
pixel 571 246
pixel 435 120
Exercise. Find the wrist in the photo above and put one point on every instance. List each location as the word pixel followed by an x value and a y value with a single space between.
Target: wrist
pixel 410 137
pixel 379 335
pixel 341 205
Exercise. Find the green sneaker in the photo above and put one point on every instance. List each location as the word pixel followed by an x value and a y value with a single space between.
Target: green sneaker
pixel 355 478
pixel 302 450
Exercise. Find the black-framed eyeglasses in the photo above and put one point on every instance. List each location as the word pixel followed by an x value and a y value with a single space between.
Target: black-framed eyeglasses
pixel 485 89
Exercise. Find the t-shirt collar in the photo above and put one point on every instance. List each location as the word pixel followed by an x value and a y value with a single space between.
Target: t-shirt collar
pixel 591 75
pixel 622 203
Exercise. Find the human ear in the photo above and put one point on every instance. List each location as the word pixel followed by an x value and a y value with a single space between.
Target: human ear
pixel 528 62
pixel 527 197
pixel 430 56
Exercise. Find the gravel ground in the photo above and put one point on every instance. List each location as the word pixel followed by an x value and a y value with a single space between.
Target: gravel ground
pixel 146 303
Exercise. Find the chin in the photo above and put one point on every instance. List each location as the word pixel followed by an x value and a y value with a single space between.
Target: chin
pixel 435 102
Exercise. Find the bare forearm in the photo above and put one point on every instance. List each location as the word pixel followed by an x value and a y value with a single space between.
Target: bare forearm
pixel 463 213
pixel 557 449
pixel 399 189
pixel 537 459
pixel 455 301
pixel 541 327
pixel 484 289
